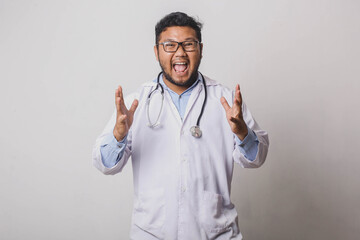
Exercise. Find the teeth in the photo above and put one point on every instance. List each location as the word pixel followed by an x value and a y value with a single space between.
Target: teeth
pixel 180 63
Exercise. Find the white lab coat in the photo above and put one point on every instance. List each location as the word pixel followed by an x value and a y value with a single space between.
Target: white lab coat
pixel 181 183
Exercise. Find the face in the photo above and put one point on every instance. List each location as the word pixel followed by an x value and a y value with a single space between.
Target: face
pixel 179 68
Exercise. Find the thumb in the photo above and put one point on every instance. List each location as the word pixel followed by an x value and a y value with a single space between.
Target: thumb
pixel 224 103
pixel 134 105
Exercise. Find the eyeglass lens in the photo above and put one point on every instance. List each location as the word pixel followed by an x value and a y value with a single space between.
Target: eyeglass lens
pixel 173 46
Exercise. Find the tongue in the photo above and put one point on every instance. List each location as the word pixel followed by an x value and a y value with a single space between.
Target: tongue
pixel 179 68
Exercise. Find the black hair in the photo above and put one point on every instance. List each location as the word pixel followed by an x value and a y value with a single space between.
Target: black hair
pixel 177 19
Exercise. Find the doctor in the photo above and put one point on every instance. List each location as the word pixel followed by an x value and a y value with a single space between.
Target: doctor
pixel 183 132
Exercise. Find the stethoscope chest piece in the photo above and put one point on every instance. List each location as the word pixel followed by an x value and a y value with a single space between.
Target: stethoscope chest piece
pixel 196 131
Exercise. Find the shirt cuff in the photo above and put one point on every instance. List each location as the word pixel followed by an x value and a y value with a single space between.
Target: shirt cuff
pixel 112 151
pixel 111 140
pixel 249 146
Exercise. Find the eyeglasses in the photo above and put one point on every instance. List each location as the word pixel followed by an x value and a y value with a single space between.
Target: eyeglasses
pixel 172 46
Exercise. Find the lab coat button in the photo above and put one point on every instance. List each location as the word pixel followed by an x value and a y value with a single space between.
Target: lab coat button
pixel 183 189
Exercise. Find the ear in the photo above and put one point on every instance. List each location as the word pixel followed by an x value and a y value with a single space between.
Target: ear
pixel 201 49
pixel 156 51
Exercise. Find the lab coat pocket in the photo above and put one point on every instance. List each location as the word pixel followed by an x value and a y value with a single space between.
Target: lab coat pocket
pixel 211 214
pixel 149 211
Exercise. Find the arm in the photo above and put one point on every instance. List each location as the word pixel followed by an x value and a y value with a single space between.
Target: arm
pixel 113 146
pixel 241 121
pixel 249 146
pixel 112 151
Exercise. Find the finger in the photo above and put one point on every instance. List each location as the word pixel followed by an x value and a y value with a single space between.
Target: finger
pixel 121 93
pixel 235 120
pixel 122 118
pixel 117 99
pixel 122 107
pixel 134 106
pixel 237 97
pixel 224 103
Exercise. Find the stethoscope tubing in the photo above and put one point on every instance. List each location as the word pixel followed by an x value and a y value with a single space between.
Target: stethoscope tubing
pixel 204 103
pixel 195 130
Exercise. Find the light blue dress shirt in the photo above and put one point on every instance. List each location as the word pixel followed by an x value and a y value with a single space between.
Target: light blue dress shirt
pixel 112 150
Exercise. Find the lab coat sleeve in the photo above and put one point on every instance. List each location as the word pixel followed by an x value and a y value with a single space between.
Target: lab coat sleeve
pixel 111 150
pixel 249 146
pixel 97 156
pixel 263 144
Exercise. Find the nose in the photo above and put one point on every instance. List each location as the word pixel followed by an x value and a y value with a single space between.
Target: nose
pixel 180 51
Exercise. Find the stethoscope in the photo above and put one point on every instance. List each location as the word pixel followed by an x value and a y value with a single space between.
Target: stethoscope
pixel 195 130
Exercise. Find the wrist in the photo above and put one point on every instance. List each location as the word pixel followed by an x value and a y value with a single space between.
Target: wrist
pixel 118 136
pixel 242 135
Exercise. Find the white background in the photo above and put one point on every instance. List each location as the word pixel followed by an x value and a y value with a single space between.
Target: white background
pixel 298 66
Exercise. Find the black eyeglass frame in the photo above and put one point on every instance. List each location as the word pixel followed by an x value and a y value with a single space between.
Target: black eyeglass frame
pixel 178 44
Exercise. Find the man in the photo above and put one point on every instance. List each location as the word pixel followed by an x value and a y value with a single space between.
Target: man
pixel 182 174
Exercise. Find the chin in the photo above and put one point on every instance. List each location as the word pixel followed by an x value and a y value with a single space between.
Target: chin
pixel 183 81
pixel 186 78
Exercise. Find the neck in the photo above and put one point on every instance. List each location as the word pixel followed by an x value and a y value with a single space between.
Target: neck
pixel 180 88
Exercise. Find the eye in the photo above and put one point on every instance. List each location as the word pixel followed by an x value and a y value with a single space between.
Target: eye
pixel 170 44
pixel 188 44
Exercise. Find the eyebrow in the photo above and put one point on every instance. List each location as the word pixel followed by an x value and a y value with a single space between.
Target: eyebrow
pixel 173 40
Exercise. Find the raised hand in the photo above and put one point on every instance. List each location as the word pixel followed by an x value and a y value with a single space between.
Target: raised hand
pixel 234 114
pixel 124 117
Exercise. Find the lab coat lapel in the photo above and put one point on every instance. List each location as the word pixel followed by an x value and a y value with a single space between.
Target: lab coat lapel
pixel 172 106
pixel 195 93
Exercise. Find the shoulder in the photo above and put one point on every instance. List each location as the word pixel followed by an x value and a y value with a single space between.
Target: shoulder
pixel 217 88
pixel 141 93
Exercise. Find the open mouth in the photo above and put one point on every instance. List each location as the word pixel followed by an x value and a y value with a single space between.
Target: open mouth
pixel 180 67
